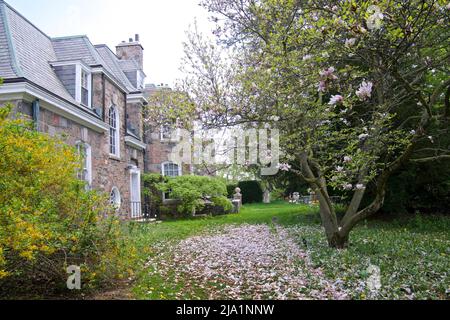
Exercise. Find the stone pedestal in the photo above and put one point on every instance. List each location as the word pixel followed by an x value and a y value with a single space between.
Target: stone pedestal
pixel 266 197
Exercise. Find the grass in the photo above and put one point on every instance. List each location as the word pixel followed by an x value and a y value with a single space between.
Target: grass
pixel 412 253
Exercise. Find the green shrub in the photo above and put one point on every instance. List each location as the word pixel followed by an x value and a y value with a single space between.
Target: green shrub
pixel 152 195
pixel 251 192
pixel 192 191
pixel 47 219
pixel 231 190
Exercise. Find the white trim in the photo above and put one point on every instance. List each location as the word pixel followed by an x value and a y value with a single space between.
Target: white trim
pixel 117 132
pixel 89 163
pixel 136 98
pixel 135 143
pixel 140 79
pixel 118 196
pixel 88 149
pixel 78 82
pixel 68 63
pixel 28 92
pixel 180 171
pixel 79 68
pixel 89 87
pixel 135 172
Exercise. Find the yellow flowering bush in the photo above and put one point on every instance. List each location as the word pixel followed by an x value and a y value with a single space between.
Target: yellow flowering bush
pixel 47 219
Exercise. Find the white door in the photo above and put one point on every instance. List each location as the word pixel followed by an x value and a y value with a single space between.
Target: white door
pixel 135 194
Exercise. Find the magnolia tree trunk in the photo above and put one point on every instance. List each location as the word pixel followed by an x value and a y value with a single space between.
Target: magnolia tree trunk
pixel 329 221
pixel 338 232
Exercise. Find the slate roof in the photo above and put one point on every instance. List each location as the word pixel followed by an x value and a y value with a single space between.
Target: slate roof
pixel 27 52
pixel 128 65
pixel 112 61
pixel 76 48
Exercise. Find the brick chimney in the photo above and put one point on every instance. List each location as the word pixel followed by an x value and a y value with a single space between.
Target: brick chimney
pixel 131 50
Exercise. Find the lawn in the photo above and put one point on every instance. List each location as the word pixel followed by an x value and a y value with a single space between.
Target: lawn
pixel 413 255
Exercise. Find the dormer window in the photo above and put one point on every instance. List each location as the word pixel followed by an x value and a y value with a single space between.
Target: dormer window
pixel 83 90
pixel 140 80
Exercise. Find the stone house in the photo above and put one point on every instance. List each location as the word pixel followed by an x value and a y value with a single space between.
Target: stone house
pixel 160 144
pixel 85 93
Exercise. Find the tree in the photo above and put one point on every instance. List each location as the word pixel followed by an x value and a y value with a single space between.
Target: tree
pixel 334 77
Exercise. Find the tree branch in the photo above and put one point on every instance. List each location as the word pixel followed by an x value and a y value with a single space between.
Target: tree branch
pixel 435 158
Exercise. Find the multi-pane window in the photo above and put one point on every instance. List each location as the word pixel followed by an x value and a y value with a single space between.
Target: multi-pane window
pixel 113 131
pixel 115 198
pixel 171 170
pixel 85 88
pixel 85 172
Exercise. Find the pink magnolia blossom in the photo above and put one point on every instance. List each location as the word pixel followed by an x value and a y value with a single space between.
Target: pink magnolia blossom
pixel 365 91
pixel 284 167
pixel 348 186
pixel 322 86
pixel 360 186
pixel 328 74
pixel 337 99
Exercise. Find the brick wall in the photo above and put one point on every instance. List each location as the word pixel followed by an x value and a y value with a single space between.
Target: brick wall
pixel 107 171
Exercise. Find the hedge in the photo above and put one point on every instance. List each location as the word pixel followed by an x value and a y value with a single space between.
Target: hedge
pixel 251 192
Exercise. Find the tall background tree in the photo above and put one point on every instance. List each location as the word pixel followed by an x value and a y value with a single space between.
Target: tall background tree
pixel 358 89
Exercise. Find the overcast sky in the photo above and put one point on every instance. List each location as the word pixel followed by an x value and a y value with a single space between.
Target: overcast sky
pixel 160 23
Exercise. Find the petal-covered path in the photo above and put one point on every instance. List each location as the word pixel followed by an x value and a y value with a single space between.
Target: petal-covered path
pixel 245 262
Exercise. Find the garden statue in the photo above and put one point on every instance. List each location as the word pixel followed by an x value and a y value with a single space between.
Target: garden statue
pixel 296 197
pixel 237 200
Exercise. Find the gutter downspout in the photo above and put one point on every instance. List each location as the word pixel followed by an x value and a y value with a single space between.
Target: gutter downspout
pixel 36 106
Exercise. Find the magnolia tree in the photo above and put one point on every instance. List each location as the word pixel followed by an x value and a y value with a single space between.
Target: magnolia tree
pixel 354 87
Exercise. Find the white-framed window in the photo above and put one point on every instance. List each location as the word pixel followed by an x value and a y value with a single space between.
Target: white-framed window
pixel 84 83
pixel 85 172
pixel 85 88
pixel 140 79
pixel 115 198
pixel 114 129
pixel 170 169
